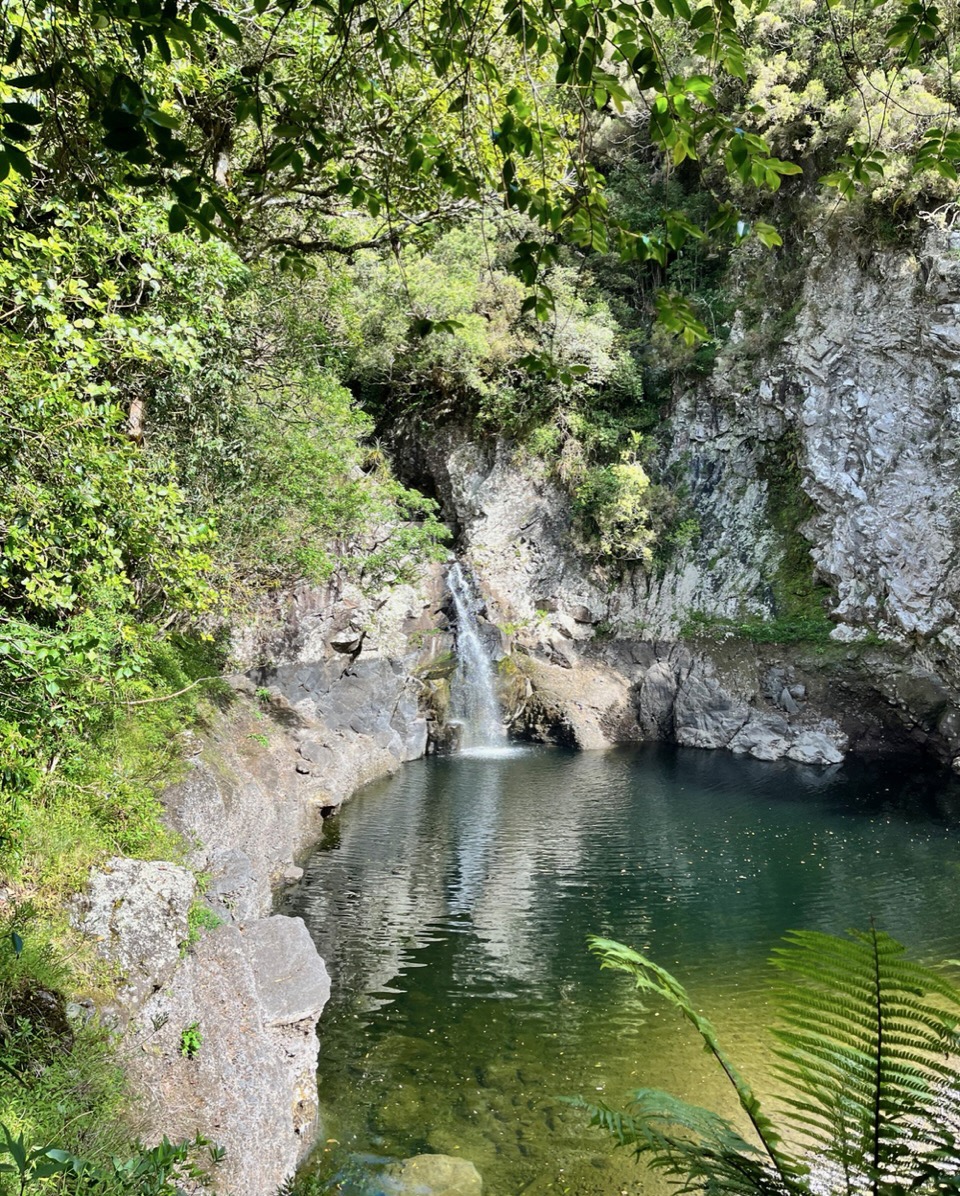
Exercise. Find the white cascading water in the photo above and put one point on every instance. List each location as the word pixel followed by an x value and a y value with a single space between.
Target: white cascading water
pixel 473 696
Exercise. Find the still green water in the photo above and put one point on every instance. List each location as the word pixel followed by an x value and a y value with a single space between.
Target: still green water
pixel 452 904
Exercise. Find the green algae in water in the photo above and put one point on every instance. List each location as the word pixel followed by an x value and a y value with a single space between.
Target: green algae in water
pixel 453 907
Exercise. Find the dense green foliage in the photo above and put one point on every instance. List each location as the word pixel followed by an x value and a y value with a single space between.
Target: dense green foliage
pixel 173 443
pixel 403 111
pixel 277 120
pixel 167 447
pixel 867 1044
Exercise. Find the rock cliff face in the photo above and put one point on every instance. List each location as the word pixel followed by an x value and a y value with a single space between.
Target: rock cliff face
pixel 247 1078
pixel 220 1028
pixel 841 435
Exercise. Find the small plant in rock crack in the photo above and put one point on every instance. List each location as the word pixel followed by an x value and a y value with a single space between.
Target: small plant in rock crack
pixel 190 1040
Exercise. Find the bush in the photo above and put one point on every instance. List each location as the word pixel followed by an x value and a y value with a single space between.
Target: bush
pixel 612 502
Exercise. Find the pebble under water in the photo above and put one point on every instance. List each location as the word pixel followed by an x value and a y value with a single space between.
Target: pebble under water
pixel 452 904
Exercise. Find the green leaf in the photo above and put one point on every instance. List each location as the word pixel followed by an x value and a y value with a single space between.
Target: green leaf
pixel 162 119
pixel 124 139
pixel 176 219
pixel 15 1148
pixel 18 160
pixel 783 167
pixel 767 234
pixel 23 113
pixel 221 22
pixel 15 49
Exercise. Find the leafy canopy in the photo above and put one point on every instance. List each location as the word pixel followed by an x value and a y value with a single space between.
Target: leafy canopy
pixel 264 122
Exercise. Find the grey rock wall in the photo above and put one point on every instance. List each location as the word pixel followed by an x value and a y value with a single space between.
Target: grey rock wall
pixel 136 913
pixel 253 996
pixel 337 690
pixel 876 357
pixel 860 400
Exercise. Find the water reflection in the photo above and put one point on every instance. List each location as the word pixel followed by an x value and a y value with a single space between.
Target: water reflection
pixel 454 906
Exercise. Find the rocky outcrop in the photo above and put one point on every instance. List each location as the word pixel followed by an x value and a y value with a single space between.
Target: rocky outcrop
pixel 229 1049
pixel 584 707
pixel 338 688
pixel 840 428
pixel 624 692
pixel 310 724
pixel 581 685
pixel 136 912
pixel 878 407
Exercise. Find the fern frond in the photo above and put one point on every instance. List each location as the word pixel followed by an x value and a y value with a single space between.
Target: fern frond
pixel 650 977
pixel 864 1051
pixel 868 1043
pixel 691 1145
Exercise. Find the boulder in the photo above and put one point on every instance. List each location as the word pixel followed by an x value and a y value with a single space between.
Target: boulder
pixel 814 747
pixel 252 999
pixel 763 738
pixel 434 1175
pixel 586 707
pixel 705 715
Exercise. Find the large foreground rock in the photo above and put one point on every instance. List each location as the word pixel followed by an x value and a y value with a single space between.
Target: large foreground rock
pixel 253 997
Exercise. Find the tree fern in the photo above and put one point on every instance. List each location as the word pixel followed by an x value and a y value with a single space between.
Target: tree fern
pixel 867 1046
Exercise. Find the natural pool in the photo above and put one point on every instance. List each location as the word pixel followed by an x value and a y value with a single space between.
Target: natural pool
pixel 452 904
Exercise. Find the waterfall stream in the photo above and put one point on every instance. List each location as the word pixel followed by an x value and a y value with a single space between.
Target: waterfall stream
pixel 473 693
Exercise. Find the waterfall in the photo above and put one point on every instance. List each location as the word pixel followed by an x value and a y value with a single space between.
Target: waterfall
pixel 473 697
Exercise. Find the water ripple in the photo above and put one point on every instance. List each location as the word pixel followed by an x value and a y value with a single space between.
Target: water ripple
pixel 453 904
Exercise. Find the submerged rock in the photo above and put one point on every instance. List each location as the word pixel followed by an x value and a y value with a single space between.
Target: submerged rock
pixel 434 1175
